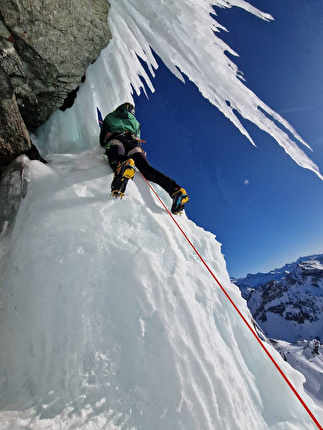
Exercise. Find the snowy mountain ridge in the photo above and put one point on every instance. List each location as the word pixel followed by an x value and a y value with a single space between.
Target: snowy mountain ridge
pixel 287 303
pixel 254 280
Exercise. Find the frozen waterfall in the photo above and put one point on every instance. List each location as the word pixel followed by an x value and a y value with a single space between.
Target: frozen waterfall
pixel 109 320
pixel 184 34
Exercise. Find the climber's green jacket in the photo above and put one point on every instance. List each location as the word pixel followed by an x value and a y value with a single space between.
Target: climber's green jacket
pixel 118 121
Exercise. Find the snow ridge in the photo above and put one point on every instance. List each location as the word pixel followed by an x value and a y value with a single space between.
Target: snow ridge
pixel 255 280
pixel 287 303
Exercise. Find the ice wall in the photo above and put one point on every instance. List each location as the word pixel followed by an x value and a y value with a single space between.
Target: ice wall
pixel 184 33
pixel 110 321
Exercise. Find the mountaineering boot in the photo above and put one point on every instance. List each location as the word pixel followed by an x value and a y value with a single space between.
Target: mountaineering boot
pixel 124 172
pixel 179 197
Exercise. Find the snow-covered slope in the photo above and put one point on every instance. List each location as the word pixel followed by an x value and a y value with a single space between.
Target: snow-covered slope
pixel 109 320
pixel 287 303
pixel 307 358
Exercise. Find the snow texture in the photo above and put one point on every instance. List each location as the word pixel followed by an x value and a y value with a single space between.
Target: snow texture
pixel 109 320
pixel 185 35
pixel 306 357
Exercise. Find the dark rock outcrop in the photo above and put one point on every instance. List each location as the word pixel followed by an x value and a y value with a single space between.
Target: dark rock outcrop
pixel 45 48
pixel 14 137
pixel 11 191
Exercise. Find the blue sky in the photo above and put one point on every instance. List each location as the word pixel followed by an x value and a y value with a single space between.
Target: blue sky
pixel 264 209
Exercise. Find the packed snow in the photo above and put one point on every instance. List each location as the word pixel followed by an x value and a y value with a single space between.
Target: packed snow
pixel 109 320
pixel 185 34
pixel 306 357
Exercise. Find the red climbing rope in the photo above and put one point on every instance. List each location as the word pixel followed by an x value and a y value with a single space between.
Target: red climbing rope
pixel 237 309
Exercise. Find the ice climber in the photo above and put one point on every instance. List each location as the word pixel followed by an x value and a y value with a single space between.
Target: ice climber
pixel 120 136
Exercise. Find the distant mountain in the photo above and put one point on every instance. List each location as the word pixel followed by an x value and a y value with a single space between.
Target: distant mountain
pixel 254 280
pixel 287 303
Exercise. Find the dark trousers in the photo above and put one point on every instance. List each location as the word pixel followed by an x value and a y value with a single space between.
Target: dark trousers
pixel 122 151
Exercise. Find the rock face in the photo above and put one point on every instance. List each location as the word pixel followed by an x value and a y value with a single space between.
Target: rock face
pixel 45 48
pixel 289 305
pixel 14 138
pixel 11 191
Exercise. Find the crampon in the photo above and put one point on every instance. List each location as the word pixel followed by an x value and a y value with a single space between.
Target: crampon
pixel 124 172
pixel 179 197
